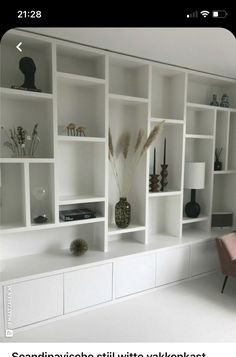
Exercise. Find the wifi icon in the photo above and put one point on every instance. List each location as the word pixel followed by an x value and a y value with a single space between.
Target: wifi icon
pixel 204 13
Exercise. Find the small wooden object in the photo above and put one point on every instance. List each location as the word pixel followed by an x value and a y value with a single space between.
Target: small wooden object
pixel 80 131
pixel 71 129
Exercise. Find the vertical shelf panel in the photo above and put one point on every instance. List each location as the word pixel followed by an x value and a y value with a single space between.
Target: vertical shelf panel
pixel 232 143
pixel 221 137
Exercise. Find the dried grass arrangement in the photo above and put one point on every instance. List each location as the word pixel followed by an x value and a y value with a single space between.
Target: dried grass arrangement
pixel 130 155
pixel 20 142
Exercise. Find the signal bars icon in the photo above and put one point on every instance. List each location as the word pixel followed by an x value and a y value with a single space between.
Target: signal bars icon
pixel 193 14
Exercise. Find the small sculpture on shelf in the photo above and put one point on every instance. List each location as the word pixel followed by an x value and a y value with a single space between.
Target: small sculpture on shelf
pixel 78 247
pixel 28 68
pixel 154 180
pixel 218 163
pixel 164 172
pixel 224 101
pixel 214 101
pixel 71 129
pixel 20 143
pixel 80 131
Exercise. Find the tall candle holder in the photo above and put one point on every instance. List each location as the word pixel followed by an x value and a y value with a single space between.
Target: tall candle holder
pixel 164 172
pixel 153 179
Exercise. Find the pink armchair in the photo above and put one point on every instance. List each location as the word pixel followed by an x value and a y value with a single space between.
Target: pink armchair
pixel 226 247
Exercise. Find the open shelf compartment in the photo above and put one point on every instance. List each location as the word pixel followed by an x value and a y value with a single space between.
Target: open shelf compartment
pixel 168 87
pixel 164 216
pixel 232 143
pixel 12 196
pixel 82 105
pixel 199 122
pixel 27 114
pixel 128 78
pixel 174 136
pixel 41 53
pixel 81 169
pixel 42 199
pixel 201 89
pixel 75 60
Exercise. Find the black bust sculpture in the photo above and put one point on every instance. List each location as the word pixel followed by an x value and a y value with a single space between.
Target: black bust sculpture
pixel 28 68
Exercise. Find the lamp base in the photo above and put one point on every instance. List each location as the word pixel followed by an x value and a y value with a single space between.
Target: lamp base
pixel 192 208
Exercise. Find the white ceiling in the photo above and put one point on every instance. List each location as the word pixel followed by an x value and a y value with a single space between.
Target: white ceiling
pixel 211 50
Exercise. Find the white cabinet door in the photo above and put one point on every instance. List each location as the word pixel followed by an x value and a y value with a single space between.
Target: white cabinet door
pixel 33 301
pixel 172 265
pixel 134 274
pixel 204 258
pixel 87 287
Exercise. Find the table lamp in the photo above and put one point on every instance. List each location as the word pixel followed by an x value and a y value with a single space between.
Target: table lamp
pixel 194 179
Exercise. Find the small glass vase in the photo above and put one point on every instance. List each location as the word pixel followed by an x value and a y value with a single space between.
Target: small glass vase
pixel 122 213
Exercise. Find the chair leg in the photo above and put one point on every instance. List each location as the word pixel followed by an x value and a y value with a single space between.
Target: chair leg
pixel 224 283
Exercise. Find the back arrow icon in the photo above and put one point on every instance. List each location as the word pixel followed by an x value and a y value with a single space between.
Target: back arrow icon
pixel 18 46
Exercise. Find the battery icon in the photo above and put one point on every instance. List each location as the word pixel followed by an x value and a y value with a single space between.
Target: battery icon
pixel 219 13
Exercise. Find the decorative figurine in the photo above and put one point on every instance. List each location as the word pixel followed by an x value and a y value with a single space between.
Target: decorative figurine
pixel 80 131
pixel 153 180
pixel 214 101
pixel 71 129
pixel 164 172
pixel 224 101
pixel 78 247
pixel 28 68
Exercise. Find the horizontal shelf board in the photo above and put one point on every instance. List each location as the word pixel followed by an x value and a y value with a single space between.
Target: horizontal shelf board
pixel 47 225
pixel 127 99
pixel 81 221
pixel 12 228
pixel 9 93
pixel 17 269
pixel 197 136
pixel 167 121
pixel 207 107
pixel 80 139
pixel 79 80
pixel 165 193
pixel 22 160
pixel 112 230
pixel 68 200
pixel 200 218
pixel 224 172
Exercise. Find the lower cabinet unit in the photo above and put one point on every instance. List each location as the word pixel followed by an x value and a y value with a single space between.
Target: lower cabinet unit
pixel 87 287
pixel 134 274
pixel 172 265
pixel 33 301
pixel 204 258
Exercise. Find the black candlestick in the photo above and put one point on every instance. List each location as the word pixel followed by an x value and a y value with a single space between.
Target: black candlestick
pixel 164 160
pixel 154 162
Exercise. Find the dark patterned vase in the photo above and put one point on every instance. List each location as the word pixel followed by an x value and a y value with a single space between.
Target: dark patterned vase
pixel 122 213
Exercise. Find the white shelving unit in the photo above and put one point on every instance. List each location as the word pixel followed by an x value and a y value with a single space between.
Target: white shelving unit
pixel 98 90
